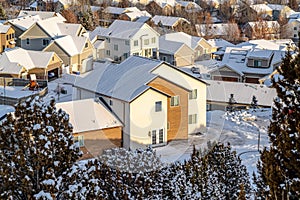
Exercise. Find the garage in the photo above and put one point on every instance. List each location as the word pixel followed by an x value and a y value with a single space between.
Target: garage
pixel 251 80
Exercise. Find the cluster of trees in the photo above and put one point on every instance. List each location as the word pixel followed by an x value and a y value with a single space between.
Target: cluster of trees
pixel 279 171
pixel 39 160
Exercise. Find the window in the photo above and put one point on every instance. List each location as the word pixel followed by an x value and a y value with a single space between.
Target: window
pixel 45 42
pixel 53 58
pixel 295 35
pixel 164 58
pixel 168 126
pixel 108 52
pixel 135 43
pixel 154 137
pixel 161 136
pixel 295 28
pixel 153 40
pixel 125 55
pixel 175 101
pixel 158 106
pixel 79 139
pixel 136 54
pixel 193 94
pixel 193 119
pixel 86 45
pixel 257 63
pixel 116 47
pixel 126 42
pixel 27 40
pixel 7 37
pixel 146 42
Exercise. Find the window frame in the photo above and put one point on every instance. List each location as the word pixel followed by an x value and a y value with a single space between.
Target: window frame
pixel 193 94
pixel 192 119
pixel 158 106
pixel 79 139
pixel 173 103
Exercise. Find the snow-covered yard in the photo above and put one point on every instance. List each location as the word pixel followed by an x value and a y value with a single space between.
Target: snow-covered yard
pixel 241 129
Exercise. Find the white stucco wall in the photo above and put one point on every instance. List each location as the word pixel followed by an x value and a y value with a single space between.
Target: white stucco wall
pixel 195 106
pixel 143 118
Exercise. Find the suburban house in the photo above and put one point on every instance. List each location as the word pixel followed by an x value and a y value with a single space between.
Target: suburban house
pixel 155 101
pixel 74 51
pixel 221 30
pixel 42 14
pixel 95 127
pixel 220 45
pixel 7 37
pixel 40 34
pixel 20 63
pixel 244 64
pixel 129 14
pixel 219 92
pixel 154 7
pixel 57 5
pixel 175 53
pixel 20 25
pixel 291 29
pixel 169 22
pixel 188 6
pixel 266 44
pixel 202 49
pixel 124 38
pixel 262 29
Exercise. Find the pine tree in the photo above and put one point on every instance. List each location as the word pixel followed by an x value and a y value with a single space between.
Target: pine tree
pixel 36 148
pixel 254 102
pixel 2 13
pixel 280 162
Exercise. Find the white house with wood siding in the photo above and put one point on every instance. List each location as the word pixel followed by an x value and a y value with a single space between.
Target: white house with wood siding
pixel 155 101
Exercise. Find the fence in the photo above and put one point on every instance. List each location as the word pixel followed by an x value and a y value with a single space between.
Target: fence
pixel 14 82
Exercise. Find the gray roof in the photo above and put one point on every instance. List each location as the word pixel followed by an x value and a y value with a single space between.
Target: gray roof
pixel 122 29
pixel 219 91
pixel 167 20
pixel 220 43
pixel 124 81
pixel 191 41
pixel 168 46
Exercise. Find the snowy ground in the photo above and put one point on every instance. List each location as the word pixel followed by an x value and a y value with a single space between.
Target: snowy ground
pixel 15 92
pixel 241 129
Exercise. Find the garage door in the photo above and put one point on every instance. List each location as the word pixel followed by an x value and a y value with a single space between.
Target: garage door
pixel 251 80
pixel 224 78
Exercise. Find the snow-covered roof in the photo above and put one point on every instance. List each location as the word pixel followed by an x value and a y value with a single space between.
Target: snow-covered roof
pixel 262 44
pixel 13 60
pixel 219 91
pixel 269 24
pixel 97 31
pixel 216 29
pixel 261 8
pixel 43 14
pixel 195 7
pixel 236 58
pixel 295 15
pixel 4 28
pixel 54 26
pixel 114 10
pixel 167 20
pixel 163 3
pixel 134 13
pixel 168 46
pixel 142 19
pixel 124 81
pixel 73 45
pixel 121 29
pixel 24 23
pixel 191 41
pixel 88 115
pixel 220 43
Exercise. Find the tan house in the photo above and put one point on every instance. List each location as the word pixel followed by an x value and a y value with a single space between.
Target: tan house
pixel 40 34
pixel 73 50
pixel 20 63
pixel 95 128
pixel 175 53
pixel 202 49
pixel 7 37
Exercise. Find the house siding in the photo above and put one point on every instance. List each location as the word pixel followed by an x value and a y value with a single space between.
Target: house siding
pixel 36 36
pixel 6 43
pixel 96 141
pixel 144 119
pixel 184 56
pixel 177 115
pixel 195 106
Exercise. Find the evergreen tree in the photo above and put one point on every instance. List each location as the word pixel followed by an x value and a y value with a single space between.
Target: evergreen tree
pixel 2 13
pixel 254 102
pixel 280 163
pixel 36 148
